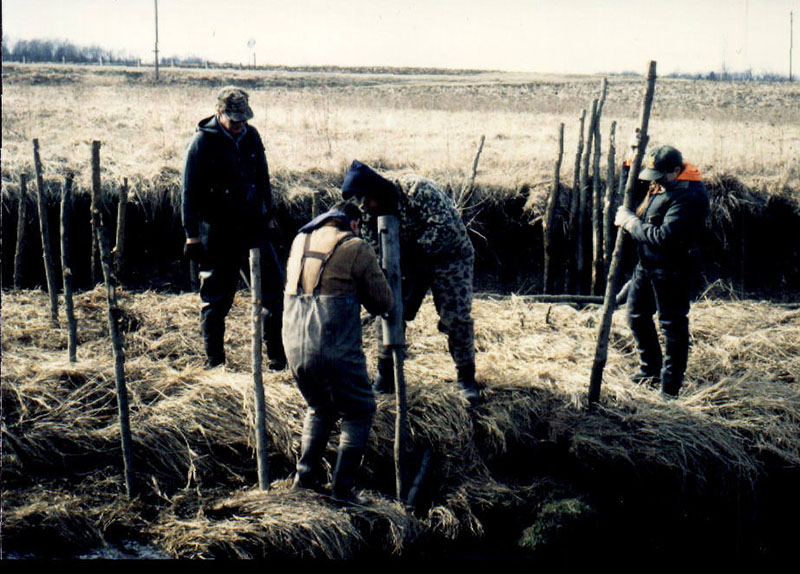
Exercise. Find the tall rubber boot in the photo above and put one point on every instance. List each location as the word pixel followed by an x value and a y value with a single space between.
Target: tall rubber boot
pixel 213 333
pixel 316 432
pixel 466 382
pixel 384 380
pixel 352 444
pixel 272 324
pixel 676 339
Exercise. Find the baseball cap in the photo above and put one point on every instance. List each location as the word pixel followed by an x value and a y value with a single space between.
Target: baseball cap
pixel 660 161
pixel 234 103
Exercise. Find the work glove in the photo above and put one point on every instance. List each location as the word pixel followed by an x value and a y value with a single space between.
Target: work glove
pixel 193 251
pixel 625 218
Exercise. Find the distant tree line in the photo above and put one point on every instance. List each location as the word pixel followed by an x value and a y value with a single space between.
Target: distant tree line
pixel 47 50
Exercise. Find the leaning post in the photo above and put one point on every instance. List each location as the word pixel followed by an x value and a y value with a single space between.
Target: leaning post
pixel 262 457
pixel 66 270
pixel 102 241
pixel 47 252
pixel 394 339
pixel 604 329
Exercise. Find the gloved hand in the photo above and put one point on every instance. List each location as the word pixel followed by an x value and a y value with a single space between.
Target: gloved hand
pixel 193 251
pixel 625 218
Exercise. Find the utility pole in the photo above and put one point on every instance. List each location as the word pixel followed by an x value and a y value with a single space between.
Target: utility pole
pixel 156 48
pixel 791 42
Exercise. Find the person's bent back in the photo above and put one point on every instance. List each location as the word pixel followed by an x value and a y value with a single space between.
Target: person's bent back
pixel 330 274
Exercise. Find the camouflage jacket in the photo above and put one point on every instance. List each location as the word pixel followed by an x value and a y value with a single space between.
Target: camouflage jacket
pixel 430 225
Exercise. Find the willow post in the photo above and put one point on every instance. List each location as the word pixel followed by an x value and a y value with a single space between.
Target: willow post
pixel 119 246
pixel 597 214
pixel 549 216
pixel 609 201
pixel 66 270
pixel 47 252
pixel 604 329
pixel 22 215
pixel 583 205
pixel 574 204
pixel 101 238
pixel 394 338
pixel 262 457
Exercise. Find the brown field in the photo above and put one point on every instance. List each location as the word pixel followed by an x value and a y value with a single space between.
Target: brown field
pixel 534 472
pixel 427 123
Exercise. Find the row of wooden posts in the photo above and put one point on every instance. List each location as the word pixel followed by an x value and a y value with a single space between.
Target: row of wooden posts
pixel 588 270
pixel 101 243
pixel 111 267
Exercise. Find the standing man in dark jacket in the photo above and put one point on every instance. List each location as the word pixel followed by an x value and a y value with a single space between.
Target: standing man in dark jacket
pixel 436 254
pixel 667 227
pixel 227 210
pixel 330 274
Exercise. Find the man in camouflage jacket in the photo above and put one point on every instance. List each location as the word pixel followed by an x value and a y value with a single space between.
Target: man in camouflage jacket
pixel 227 210
pixel 436 254
pixel 667 227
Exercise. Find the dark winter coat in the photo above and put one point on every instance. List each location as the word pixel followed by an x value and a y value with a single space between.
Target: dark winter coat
pixel 227 198
pixel 669 230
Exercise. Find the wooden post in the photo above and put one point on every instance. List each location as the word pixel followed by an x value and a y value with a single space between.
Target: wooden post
pixel 604 329
pixel 156 45
pixel 122 212
pixel 475 164
pixel 22 215
pixel 47 252
pixel 66 270
pixel 574 204
pixel 113 324
pixel 549 217
pixel 597 211
pixel 394 338
pixel 597 215
pixel 583 204
pixel 262 457
pixel 609 201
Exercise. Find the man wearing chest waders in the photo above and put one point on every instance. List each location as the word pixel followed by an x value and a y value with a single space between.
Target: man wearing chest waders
pixel 331 272
pixel 666 227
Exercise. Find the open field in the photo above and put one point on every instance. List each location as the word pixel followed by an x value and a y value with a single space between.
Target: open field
pixel 427 123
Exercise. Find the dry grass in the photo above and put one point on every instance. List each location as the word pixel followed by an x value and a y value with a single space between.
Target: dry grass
pixel 193 429
pixel 427 124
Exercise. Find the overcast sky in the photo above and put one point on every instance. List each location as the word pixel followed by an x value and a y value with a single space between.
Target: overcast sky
pixel 560 36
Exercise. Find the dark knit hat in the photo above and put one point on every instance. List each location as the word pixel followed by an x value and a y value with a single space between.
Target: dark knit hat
pixel 323 218
pixel 361 180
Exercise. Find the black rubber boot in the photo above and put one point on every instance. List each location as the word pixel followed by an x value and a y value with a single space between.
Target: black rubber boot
pixel 272 324
pixel 384 380
pixel 213 335
pixel 466 382
pixel 352 443
pixel 316 432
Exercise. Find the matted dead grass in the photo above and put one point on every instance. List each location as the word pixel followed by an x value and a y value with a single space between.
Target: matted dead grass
pixel 735 420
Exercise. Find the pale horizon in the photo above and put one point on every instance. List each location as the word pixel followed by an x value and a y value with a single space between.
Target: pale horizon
pixel 547 36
